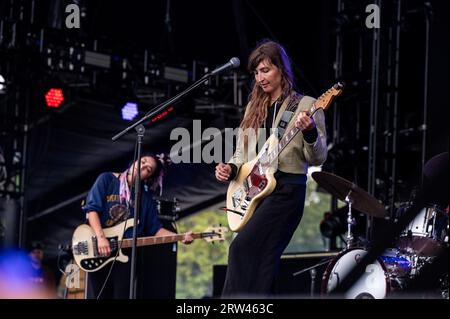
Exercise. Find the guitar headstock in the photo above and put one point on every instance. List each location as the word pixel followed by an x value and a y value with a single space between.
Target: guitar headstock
pixel 214 233
pixel 326 98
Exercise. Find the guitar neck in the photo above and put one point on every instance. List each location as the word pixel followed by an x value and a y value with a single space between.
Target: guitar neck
pixel 155 240
pixel 287 138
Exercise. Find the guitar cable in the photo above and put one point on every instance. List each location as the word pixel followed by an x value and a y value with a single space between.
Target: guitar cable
pixel 59 266
pixel 119 247
pixel 58 262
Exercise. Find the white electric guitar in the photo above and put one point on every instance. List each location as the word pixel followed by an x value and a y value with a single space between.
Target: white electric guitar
pixel 255 180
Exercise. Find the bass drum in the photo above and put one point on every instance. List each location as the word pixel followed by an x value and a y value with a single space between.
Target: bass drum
pixel 373 284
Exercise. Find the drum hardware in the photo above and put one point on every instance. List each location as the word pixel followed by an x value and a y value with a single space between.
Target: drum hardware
pixel 427 234
pixel 350 220
pixel 443 286
pixel 340 188
pixel 354 196
pixel 372 285
pixel 312 267
pixel 394 269
pixel 398 266
pixel 335 225
pixel 313 272
pixel 389 273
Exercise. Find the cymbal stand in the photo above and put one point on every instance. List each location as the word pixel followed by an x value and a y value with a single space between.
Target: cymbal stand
pixel 322 262
pixel 350 220
pixel 313 272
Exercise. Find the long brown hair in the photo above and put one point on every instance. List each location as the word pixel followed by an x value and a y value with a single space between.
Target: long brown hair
pixel 259 101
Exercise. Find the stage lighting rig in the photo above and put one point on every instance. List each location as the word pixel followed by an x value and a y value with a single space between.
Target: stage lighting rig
pixel 54 97
pixel 130 111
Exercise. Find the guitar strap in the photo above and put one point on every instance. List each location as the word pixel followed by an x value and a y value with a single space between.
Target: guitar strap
pixel 288 113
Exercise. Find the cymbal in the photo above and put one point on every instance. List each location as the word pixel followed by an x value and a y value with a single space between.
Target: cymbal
pixel 435 173
pixel 340 187
pixel 436 166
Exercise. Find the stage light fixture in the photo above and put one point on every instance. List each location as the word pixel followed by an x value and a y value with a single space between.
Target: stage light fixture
pixel 130 111
pixel 54 97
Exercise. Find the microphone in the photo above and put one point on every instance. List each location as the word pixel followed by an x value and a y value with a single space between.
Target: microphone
pixel 234 63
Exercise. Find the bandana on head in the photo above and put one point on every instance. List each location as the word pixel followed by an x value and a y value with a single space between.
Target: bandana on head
pixel 124 191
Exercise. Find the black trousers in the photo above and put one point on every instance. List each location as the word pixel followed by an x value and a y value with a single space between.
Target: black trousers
pixel 118 284
pixel 254 254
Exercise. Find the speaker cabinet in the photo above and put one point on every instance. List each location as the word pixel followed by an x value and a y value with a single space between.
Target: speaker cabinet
pixel 157 270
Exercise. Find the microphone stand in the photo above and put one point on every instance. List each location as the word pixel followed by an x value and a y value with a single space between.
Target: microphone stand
pixel 140 129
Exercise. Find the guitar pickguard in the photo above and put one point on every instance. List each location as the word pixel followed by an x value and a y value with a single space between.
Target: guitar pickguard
pixel 93 263
pixel 241 198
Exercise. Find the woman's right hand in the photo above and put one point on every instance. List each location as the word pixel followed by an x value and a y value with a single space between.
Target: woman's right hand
pixel 103 247
pixel 223 172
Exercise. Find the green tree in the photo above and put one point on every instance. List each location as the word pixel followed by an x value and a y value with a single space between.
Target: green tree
pixel 195 261
pixel 307 237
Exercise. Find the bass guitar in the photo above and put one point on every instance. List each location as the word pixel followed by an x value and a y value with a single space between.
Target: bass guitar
pixel 85 249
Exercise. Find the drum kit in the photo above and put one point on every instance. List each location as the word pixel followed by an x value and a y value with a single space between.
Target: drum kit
pixel 416 246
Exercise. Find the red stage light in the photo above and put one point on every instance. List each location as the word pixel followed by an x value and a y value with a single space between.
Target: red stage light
pixel 54 97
